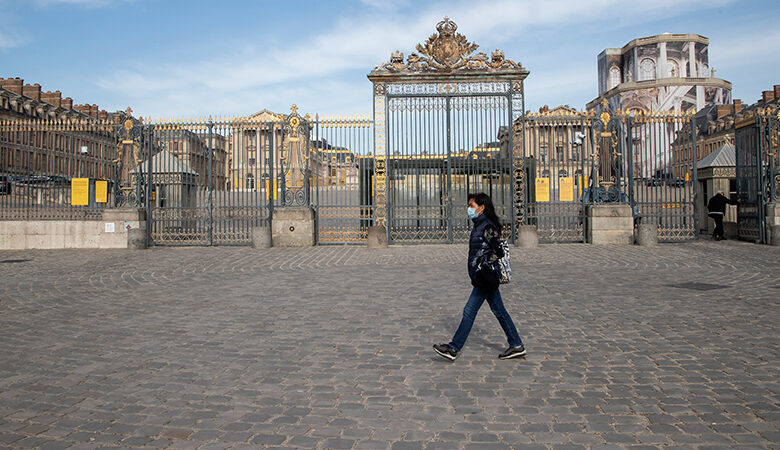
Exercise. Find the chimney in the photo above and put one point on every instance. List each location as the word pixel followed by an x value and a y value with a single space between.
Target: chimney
pixel 67 103
pixel 12 84
pixel 82 108
pixel 767 96
pixel 103 114
pixel 32 90
pixel 723 111
pixel 52 98
pixel 777 91
pixel 737 106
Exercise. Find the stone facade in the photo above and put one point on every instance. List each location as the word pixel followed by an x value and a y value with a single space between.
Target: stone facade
pixel 552 137
pixel 193 149
pixel 714 128
pixel 666 72
pixel 57 150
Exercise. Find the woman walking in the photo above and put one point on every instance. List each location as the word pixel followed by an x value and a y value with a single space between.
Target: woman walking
pixel 483 247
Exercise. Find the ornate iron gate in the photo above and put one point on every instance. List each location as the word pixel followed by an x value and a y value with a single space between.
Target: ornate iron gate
pixel 758 174
pixel 556 155
pixel 661 159
pixel 214 180
pixel 643 159
pixel 342 167
pixel 442 130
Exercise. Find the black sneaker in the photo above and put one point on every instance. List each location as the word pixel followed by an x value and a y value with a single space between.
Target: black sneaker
pixel 512 352
pixel 446 351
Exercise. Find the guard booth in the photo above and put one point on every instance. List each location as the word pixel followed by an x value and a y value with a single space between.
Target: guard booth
pixel 717 172
pixel 173 213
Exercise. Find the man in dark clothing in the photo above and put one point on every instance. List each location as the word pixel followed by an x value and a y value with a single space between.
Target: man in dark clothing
pixel 717 208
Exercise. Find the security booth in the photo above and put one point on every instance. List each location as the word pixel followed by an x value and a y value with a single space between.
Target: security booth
pixel 717 172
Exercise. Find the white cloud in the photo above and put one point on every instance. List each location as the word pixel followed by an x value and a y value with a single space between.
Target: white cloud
pixel 241 82
pixel 751 46
pixel 10 40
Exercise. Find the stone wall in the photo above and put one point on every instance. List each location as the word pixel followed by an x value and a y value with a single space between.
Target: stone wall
pixel 109 232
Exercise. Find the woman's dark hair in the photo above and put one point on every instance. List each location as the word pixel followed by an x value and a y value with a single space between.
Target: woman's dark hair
pixel 483 199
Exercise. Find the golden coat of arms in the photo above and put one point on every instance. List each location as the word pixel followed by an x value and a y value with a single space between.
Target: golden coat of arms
pixel 447 51
pixel 447 48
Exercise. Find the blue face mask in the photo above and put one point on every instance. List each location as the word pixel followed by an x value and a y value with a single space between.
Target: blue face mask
pixel 472 212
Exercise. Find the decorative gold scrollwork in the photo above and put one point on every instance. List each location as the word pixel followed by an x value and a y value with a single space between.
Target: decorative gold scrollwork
pixel 447 50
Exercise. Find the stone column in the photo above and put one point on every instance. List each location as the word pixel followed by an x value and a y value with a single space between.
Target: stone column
pixel 692 70
pixel 377 237
pixel 647 235
pixel 635 69
pixel 773 223
pixel 261 237
pixel 527 236
pixel 662 71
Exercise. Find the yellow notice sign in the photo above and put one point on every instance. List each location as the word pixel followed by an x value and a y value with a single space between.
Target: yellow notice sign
pixel 79 191
pixel 101 191
pixel 268 192
pixel 583 183
pixel 543 189
pixel 566 189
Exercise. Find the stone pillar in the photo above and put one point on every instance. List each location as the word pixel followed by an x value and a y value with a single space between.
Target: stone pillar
pixel 773 223
pixel 662 69
pixel 293 227
pixel 261 237
pixel 136 238
pixel 610 224
pixel 527 236
pixel 647 235
pixel 692 70
pixel 377 237
pixel 635 69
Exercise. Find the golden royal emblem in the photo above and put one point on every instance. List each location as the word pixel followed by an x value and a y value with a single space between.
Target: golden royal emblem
pixel 447 48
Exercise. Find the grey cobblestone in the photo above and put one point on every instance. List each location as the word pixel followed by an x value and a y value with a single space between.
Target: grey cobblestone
pixel 329 347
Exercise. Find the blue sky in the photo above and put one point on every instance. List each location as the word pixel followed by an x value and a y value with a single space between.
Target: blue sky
pixel 198 58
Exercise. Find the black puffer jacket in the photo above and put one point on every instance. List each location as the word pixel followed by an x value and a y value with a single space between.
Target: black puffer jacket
pixel 484 247
pixel 718 202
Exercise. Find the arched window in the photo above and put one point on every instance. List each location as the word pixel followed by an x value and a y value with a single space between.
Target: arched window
pixel 250 181
pixel 647 69
pixel 614 77
pixel 673 68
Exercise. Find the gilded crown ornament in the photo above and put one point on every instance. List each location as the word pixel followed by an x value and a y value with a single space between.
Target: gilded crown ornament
pixel 445 51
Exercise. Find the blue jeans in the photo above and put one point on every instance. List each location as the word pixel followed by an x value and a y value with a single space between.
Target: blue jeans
pixel 470 313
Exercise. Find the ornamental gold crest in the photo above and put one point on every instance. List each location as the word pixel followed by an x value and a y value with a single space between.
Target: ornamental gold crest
pixel 447 48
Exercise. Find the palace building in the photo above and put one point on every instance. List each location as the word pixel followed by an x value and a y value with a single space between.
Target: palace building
pixel 666 72
pixel 56 152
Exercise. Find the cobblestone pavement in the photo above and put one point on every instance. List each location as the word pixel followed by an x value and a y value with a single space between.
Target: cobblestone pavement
pixel 330 347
